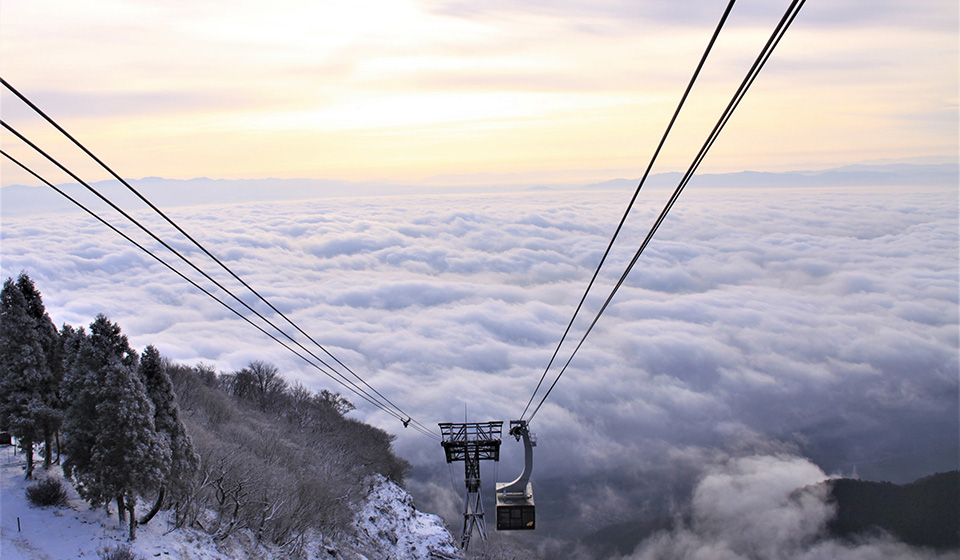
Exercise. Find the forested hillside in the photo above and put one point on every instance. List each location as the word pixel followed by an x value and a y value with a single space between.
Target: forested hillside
pixel 275 459
pixel 923 513
pixel 225 452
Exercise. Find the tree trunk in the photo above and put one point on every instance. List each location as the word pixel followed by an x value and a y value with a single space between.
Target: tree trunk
pixel 58 447
pixel 131 504
pixel 47 450
pixel 156 507
pixel 121 509
pixel 27 447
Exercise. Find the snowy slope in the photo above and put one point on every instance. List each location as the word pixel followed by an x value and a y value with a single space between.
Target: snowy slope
pixel 388 522
pixel 77 531
pixel 388 527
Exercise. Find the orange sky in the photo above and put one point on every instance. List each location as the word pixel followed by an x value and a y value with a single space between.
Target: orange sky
pixel 404 90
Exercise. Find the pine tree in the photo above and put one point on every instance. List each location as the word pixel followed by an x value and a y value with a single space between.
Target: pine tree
pixel 50 415
pixel 80 394
pixel 113 447
pixel 184 460
pixel 130 456
pixel 23 372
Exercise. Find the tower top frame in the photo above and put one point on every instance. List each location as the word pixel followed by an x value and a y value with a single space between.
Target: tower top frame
pixel 471 441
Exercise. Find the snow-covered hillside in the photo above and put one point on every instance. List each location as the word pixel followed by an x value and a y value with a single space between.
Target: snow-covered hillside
pixel 389 522
pixel 388 526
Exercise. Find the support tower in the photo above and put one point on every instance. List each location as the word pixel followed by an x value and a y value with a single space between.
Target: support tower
pixel 471 443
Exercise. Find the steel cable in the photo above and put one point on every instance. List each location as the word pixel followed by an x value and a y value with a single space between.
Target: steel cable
pixel 184 277
pixel 761 60
pixel 403 417
pixel 633 199
pixel 76 142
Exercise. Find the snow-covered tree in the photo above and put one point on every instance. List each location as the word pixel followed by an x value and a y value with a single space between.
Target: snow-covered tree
pixel 184 460
pixel 131 457
pixel 23 368
pixel 35 308
pixel 113 448
pixel 79 392
pixel 50 415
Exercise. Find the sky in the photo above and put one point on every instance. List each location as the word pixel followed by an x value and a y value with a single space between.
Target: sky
pixel 444 91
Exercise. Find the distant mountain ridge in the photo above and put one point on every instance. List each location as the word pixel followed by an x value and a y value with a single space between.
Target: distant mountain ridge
pixel 903 174
pixel 922 513
pixel 16 200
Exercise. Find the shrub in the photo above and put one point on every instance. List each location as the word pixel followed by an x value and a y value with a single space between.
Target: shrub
pixel 119 552
pixel 47 492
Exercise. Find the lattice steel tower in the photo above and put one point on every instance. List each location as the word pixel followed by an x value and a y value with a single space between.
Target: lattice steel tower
pixel 471 443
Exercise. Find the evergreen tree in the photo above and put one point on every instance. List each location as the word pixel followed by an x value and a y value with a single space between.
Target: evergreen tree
pixel 45 327
pixel 80 393
pixel 23 368
pixel 50 416
pixel 184 461
pixel 130 456
pixel 114 450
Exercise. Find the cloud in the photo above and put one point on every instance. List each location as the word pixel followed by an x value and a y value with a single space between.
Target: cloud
pixel 763 506
pixel 112 104
pixel 626 14
pixel 822 319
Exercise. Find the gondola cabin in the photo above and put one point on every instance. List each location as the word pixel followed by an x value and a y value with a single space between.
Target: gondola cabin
pixel 515 512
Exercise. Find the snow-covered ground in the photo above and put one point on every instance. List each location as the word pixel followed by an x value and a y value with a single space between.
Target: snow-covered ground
pixel 388 527
pixel 388 521
pixel 77 531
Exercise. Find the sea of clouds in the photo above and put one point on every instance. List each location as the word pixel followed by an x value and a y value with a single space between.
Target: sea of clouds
pixel 797 332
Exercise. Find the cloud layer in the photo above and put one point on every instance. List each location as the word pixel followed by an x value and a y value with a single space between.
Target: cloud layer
pixel 825 321
pixel 764 506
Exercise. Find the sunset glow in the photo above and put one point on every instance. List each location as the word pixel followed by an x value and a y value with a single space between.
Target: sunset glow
pixel 409 90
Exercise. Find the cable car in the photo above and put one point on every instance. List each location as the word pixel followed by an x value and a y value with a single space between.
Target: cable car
pixel 515 506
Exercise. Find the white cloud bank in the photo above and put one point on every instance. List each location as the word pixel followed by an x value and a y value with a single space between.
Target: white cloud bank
pixel 764 506
pixel 825 319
